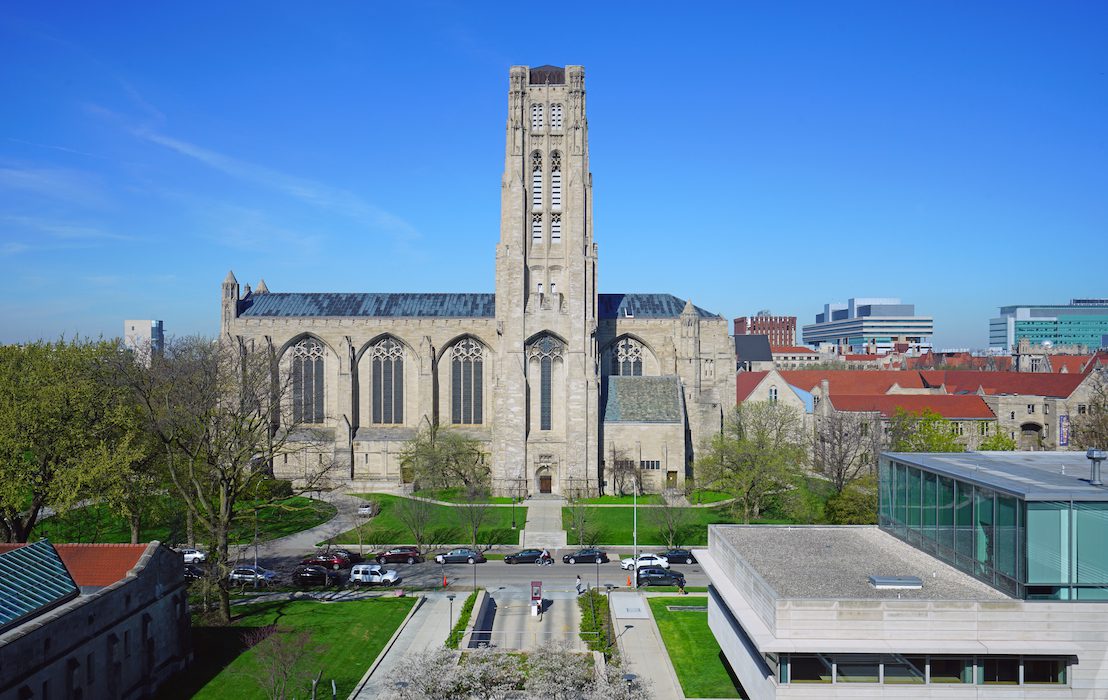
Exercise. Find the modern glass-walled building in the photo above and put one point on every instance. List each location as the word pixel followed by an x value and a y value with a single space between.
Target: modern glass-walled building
pixel 1029 524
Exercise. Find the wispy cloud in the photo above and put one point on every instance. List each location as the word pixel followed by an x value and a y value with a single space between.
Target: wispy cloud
pixel 13 248
pixel 62 230
pixel 317 194
pixel 55 183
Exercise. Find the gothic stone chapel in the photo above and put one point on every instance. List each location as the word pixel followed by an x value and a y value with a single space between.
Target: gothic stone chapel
pixel 555 379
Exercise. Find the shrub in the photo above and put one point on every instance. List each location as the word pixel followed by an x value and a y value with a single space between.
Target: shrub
pixel 459 630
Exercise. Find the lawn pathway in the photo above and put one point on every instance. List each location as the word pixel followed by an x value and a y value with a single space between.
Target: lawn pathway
pixel 305 541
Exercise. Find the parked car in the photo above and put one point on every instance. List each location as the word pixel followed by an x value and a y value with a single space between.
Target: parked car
pixel 250 574
pixel 644 560
pixel 306 576
pixel 369 574
pixel 193 572
pixel 407 555
pixel 657 576
pixel 527 556
pixel 331 560
pixel 586 556
pixel 678 556
pixel 368 510
pixel 460 556
pixel 352 557
pixel 193 556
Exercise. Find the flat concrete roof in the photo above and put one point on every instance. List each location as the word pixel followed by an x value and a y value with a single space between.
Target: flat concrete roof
pixel 835 562
pixel 1032 476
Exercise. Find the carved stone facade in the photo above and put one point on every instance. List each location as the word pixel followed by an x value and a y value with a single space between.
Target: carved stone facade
pixel 523 370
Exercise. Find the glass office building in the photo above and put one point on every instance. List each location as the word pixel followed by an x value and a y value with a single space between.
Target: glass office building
pixel 1030 524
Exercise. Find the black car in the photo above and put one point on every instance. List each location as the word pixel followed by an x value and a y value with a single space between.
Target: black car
pixel 352 557
pixel 193 572
pixel 527 556
pixel 460 556
pixel 657 576
pixel 586 556
pixel 306 576
pixel 678 556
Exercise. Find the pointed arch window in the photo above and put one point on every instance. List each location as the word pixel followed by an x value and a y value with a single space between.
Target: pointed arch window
pixel 773 394
pixel 555 228
pixel 536 116
pixel 307 381
pixel 546 350
pixel 536 227
pixel 466 372
pixel 556 180
pixel 627 358
pixel 536 180
pixel 387 361
pixel 555 116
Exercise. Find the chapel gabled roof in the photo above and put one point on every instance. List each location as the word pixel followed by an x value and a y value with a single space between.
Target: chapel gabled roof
pixel 645 306
pixel 642 400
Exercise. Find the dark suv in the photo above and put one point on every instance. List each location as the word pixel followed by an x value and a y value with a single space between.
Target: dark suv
pixel 657 576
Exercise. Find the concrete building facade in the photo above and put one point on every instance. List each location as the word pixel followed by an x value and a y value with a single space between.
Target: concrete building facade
pixel 524 370
pixel 871 325
pixel 781 330
pixel 1082 322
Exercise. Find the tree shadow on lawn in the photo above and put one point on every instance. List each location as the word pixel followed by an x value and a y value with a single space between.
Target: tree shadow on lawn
pixel 214 649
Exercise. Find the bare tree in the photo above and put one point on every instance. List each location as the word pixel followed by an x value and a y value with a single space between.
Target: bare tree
pixel 588 535
pixel 283 660
pixel 438 458
pixel 221 416
pixel 415 514
pixel 672 521
pixel 845 447
pixel 472 513
pixel 623 471
pixel 1090 429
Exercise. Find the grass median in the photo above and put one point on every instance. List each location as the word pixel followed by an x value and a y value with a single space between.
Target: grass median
pixel 444 525
pixel 614 526
pixel 700 665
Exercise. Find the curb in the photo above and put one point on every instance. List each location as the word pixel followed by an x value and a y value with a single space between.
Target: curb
pixel 385 650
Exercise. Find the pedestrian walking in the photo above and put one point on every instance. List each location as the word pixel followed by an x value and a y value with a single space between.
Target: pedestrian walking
pixel 578 584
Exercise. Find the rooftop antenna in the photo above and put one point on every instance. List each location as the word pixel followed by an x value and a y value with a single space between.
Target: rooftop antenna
pixel 1096 457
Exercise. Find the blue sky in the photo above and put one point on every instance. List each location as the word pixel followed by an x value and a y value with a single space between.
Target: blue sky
pixel 745 155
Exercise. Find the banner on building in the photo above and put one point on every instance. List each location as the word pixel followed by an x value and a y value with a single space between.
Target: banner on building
pixel 1063 431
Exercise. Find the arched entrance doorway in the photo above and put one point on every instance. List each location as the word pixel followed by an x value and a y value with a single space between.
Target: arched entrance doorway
pixel 1031 436
pixel 544 477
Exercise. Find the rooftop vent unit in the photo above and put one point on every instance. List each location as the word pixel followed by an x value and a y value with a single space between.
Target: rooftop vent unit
pixel 896 582
pixel 1095 458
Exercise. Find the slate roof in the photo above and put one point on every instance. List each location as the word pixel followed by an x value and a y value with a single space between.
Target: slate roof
pixel 33 579
pixel 438 305
pixel 753 348
pixel 642 400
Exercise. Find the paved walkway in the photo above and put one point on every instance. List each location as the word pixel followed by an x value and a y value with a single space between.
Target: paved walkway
pixel 544 523
pixel 426 630
pixel 641 646
pixel 514 627
pixel 305 541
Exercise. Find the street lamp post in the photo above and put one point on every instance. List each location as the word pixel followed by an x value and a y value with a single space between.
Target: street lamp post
pixel 450 616
pixel 635 533
pixel 597 571
pixel 255 547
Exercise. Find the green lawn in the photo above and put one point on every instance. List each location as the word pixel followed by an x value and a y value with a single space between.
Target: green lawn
pixel 615 525
pixel 698 497
pixel 458 495
pixel 446 526
pixel 97 524
pixel 352 632
pixel 692 648
pixel 623 500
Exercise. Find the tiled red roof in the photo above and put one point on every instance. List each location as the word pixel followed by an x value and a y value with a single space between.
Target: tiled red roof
pixel 1070 364
pixel 95 564
pixel 855 382
pixel 794 349
pixel 959 407
pixel 746 382
pixel 1029 383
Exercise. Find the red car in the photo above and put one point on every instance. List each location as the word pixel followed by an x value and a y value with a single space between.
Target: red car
pixel 398 555
pixel 332 560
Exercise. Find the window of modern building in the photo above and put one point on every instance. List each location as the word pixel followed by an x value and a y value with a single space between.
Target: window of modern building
pixel 999 670
pixel 536 116
pixel 307 381
pixel 858 668
pixel 387 358
pixel 920 669
pixel 1044 671
pixel 466 373
pixel 536 180
pixel 627 358
pixel 906 670
pixel 555 116
pixel 951 669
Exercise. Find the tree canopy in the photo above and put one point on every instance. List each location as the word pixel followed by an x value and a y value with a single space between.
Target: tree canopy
pixel 924 431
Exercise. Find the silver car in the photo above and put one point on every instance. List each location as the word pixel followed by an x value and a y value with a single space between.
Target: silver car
pixel 373 574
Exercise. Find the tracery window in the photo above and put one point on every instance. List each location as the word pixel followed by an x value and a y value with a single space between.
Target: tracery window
pixel 307 381
pixel 536 226
pixel 546 349
pixel 627 358
pixel 388 381
pixel 555 228
pixel 536 180
pixel 555 116
pixel 536 116
pixel 556 180
pixel 466 372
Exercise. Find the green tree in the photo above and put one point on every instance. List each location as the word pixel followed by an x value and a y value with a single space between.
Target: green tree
pixel 924 431
pixel 759 453
pixel 998 442
pixel 439 458
pixel 854 505
pixel 1090 429
pixel 57 417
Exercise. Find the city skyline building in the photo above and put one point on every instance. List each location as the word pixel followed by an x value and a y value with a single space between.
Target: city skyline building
pixel 781 330
pixel 1082 322
pixel 871 325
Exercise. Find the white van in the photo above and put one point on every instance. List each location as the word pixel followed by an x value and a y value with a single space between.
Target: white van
pixel 369 574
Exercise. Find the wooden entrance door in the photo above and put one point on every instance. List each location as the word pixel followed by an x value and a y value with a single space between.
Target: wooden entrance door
pixel 545 483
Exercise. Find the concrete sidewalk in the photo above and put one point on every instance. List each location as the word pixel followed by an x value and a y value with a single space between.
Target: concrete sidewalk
pixel 427 629
pixel 544 524
pixel 641 646
pixel 305 542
